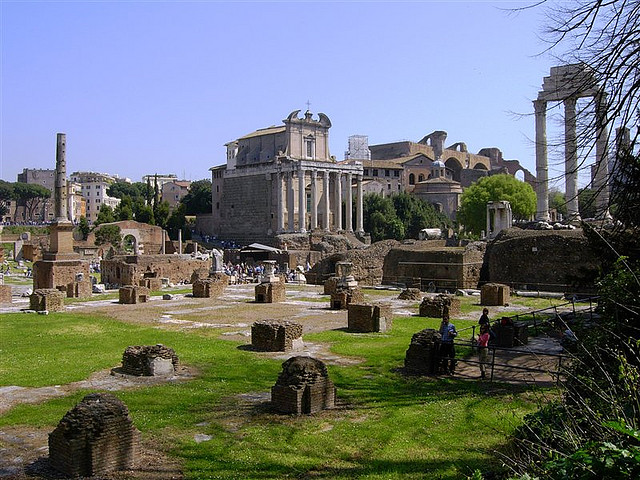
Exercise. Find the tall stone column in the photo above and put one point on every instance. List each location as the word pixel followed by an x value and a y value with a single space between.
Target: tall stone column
pixel 325 210
pixel 359 218
pixel 60 181
pixel 279 203
pixel 302 202
pixel 349 202
pixel 571 159
pixel 338 207
pixel 290 202
pixel 542 185
pixel 314 200
pixel 601 176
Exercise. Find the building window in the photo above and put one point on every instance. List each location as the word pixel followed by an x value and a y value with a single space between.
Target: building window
pixel 396 173
pixel 388 186
pixel 387 173
pixel 217 205
pixel 309 143
pixel 366 172
pixel 412 179
pixel 420 178
pixel 375 172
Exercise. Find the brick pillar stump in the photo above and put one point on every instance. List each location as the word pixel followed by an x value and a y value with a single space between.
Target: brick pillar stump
pixel 270 292
pixel 276 336
pixel 369 318
pixel 422 356
pixel 132 294
pixel 50 299
pixel 303 387
pixel 5 294
pixel 495 294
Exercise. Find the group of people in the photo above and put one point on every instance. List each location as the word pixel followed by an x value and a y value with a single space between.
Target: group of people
pixel 448 334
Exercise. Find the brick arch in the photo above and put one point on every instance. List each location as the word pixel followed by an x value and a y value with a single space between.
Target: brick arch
pixel 455 167
pixel 480 166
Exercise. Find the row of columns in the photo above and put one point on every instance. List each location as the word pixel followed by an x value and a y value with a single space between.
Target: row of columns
pixel 326 203
pixel 571 160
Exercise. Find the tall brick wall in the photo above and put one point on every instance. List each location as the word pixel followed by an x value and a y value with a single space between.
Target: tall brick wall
pixel 246 208
pixel 130 269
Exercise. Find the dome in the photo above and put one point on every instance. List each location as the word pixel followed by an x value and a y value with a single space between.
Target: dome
pixel 438 164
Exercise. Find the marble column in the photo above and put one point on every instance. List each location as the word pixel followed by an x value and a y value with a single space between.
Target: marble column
pixel 325 210
pixel 314 200
pixel 290 203
pixel 338 207
pixel 279 203
pixel 571 160
pixel 359 218
pixel 60 180
pixel 302 202
pixel 601 176
pixel 349 202
pixel 542 185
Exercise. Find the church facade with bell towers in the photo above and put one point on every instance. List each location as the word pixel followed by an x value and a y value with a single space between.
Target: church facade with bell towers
pixel 283 179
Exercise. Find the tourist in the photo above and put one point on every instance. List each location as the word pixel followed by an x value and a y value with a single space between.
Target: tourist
pixel 484 318
pixel 483 348
pixel 447 351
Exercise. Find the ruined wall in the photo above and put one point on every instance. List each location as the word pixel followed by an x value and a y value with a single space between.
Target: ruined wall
pixel 150 237
pixel 130 269
pixel 420 264
pixel 246 208
pixel 59 273
pixel 552 260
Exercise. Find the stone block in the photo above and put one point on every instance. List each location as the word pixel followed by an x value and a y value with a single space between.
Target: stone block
pixel 50 299
pixel 149 360
pixel 421 357
pixel 411 294
pixel 276 336
pixel 94 438
pixel 331 285
pixel 82 289
pixel 5 294
pixel 341 299
pixel 369 318
pixel 270 292
pixel 210 287
pixel 435 306
pixel 303 387
pixel 495 294
pixel 152 283
pixel 131 294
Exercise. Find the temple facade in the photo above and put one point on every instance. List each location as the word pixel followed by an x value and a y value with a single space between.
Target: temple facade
pixel 283 179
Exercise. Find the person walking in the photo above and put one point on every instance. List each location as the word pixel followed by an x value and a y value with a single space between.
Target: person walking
pixel 447 351
pixel 484 318
pixel 483 349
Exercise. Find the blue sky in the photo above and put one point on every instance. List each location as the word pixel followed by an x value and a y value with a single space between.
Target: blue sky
pixel 159 87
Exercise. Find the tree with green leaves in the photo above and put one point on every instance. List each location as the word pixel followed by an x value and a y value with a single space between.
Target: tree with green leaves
pixel 6 195
pixel 124 210
pixel 105 215
pixel 144 214
pixel 161 213
pixel 132 190
pixel 177 221
pixel 198 199
pixel 473 203
pixel 417 214
pixel 83 227
pixel 109 235
pixel 32 196
pixel 557 201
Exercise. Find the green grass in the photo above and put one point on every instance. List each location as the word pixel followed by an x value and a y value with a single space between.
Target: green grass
pixel 386 426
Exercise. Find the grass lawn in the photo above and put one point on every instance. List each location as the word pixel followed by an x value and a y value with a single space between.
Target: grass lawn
pixel 385 426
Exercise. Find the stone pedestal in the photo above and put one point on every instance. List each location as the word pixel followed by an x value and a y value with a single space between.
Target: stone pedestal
pixel 60 270
pixel 270 292
pixel 331 285
pixel 435 306
pixel 5 294
pixel 50 299
pixel 494 294
pixel 276 336
pixel 303 387
pixel 422 356
pixel 341 299
pixel 411 294
pixel 210 287
pixel 131 294
pixel 94 438
pixel 81 289
pixel 369 318
pixel 149 360
pixel 152 283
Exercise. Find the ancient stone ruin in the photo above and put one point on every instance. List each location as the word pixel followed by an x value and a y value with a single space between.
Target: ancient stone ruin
pixel 149 360
pixel 435 306
pixel 270 289
pixel 132 294
pixel 96 437
pixel 303 386
pixel 210 287
pixel 5 291
pixel 411 294
pixel 151 280
pixel 422 356
pixel 347 290
pixel 276 336
pixel 49 299
pixel 494 294
pixel 369 318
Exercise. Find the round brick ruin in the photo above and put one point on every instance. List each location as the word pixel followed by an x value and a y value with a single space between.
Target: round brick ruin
pixel 411 294
pixel 149 360
pixel 422 355
pixel 303 387
pixel 97 436
pixel 276 336
pixel 435 306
